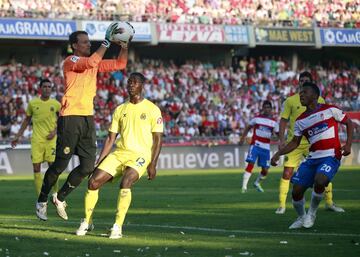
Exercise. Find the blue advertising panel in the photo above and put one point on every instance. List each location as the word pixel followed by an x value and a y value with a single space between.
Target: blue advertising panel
pixel 36 29
pixel 236 35
pixel 97 29
pixel 340 37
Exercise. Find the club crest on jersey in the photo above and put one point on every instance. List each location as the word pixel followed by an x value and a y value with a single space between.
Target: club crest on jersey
pixel 52 109
pixel 143 116
pixel 66 150
pixel 74 58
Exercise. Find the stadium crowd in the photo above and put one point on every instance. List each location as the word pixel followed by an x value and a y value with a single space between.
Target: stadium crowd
pixel 325 13
pixel 197 99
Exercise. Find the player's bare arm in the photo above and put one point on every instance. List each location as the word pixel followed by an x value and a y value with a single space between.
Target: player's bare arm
pixel 109 142
pixel 51 135
pixel 346 149
pixel 155 152
pixel 24 124
pixel 292 145
pixel 282 128
pixel 246 131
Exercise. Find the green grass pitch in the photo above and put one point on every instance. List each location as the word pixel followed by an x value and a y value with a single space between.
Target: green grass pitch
pixel 182 213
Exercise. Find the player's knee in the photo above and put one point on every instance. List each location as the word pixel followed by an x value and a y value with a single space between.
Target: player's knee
pixel 264 171
pixel 321 181
pixel 319 185
pixel 129 179
pixel 288 172
pixel 59 165
pixel 86 168
pixel 297 193
pixel 93 184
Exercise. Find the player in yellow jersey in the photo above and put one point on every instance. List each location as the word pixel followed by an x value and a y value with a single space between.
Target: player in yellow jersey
pixel 292 109
pixel 140 125
pixel 43 112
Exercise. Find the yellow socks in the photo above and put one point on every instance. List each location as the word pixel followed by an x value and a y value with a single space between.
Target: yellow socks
pixel 123 204
pixel 91 198
pixel 38 182
pixel 329 195
pixel 283 191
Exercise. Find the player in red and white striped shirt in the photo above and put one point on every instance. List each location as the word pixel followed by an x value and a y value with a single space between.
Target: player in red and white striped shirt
pixel 319 124
pixel 264 125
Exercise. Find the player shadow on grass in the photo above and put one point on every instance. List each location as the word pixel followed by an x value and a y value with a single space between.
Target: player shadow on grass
pixel 39 229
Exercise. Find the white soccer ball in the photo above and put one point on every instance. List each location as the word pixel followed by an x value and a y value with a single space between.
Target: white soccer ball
pixel 123 32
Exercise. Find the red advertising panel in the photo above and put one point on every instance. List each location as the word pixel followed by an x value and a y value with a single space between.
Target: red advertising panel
pixel 190 33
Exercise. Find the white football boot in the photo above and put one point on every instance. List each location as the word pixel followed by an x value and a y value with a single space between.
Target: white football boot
pixel 116 232
pixel 84 228
pixel 60 207
pixel 41 210
pixel 298 223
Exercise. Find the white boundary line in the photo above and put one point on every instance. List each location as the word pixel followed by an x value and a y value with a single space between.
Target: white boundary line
pixel 203 229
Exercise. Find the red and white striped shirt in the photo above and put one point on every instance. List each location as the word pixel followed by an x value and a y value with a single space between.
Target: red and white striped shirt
pixel 320 127
pixel 263 128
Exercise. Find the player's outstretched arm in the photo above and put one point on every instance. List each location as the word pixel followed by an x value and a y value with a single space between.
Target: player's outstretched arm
pixel 109 142
pixel 115 64
pixel 346 149
pixel 155 152
pixel 24 124
pixel 246 131
pixel 292 145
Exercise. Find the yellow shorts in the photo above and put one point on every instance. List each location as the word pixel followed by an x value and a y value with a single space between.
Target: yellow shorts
pixel 116 162
pixel 293 159
pixel 43 152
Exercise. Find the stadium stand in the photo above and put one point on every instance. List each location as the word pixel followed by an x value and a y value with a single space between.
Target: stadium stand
pixel 298 13
pixel 197 99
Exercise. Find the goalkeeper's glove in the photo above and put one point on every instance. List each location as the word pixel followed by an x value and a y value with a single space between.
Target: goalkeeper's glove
pixel 109 32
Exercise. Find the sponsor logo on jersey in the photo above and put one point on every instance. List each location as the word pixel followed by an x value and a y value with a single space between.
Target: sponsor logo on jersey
pixel 264 128
pixel 318 129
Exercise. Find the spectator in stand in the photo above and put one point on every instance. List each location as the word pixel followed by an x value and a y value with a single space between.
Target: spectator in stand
pixel 5 123
pixel 219 100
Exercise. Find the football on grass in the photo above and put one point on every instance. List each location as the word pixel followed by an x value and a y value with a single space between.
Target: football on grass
pixel 123 32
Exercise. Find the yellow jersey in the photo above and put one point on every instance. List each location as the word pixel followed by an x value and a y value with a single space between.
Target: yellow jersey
pixel 291 110
pixel 44 118
pixel 135 123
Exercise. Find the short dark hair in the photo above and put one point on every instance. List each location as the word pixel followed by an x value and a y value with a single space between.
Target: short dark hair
pixel 138 76
pixel 305 74
pixel 44 81
pixel 267 102
pixel 73 38
pixel 313 86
